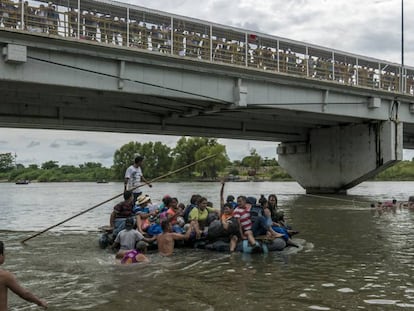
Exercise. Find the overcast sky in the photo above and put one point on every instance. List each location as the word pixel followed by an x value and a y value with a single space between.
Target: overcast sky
pixel 366 27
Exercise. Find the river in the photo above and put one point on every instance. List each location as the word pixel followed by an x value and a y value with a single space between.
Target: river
pixel 352 258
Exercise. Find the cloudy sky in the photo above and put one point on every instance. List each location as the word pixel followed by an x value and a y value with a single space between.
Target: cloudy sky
pixel 367 27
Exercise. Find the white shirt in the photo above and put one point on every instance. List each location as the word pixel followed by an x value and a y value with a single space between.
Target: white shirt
pixel 133 174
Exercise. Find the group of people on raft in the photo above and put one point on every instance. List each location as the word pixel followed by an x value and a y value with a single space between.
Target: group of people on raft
pixel 246 224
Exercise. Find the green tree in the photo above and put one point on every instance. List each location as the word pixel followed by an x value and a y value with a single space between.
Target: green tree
pixel 270 162
pixel 6 162
pixel 90 165
pixel 33 166
pixel 157 158
pixel 237 163
pixel 185 151
pixel 68 169
pixel 254 160
pixel 124 157
pixel 211 167
pixel 50 165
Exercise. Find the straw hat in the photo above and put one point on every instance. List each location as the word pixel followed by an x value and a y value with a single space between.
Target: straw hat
pixel 142 199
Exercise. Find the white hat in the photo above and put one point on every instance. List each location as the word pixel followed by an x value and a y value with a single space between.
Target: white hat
pixel 142 199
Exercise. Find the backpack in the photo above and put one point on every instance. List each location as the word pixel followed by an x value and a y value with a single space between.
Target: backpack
pixel 187 211
pixel 256 211
pixel 215 230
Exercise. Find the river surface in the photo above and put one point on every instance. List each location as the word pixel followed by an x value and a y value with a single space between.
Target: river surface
pixel 352 258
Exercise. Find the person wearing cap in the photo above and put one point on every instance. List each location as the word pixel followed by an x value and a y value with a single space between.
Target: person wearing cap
pixel 8 281
pixel 133 177
pixel 129 239
pixel 230 198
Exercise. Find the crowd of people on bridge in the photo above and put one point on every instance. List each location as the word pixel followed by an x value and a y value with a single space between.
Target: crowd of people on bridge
pixel 186 39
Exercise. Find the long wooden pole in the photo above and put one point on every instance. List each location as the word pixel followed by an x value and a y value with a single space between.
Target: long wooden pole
pixel 118 195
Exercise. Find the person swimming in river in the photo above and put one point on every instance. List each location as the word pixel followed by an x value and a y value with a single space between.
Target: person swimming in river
pixel 8 281
pixel 129 240
pixel 166 240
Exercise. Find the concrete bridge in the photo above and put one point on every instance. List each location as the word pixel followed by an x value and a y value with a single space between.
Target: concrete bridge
pixel 107 66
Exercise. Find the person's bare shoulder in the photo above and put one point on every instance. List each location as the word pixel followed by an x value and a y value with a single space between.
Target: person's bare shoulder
pixel 7 278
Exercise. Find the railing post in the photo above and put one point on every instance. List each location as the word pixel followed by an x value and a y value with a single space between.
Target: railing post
pixel 246 49
pixel 333 66
pixel 79 15
pixel 356 73
pixel 22 15
pixel 402 79
pixel 172 36
pixel 380 75
pixel 307 60
pixel 127 24
pixel 277 55
pixel 211 42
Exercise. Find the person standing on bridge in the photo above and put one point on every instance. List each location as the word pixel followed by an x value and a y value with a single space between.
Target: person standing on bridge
pixel 133 177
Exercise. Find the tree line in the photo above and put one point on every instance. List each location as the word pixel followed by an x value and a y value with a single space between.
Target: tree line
pixel 161 159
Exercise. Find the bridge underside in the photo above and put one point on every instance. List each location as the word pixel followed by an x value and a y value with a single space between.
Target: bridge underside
pixel 31 105
pixel 78 86
pixel 58 107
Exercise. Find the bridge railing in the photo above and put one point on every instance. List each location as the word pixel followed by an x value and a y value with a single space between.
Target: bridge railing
pixel 114 23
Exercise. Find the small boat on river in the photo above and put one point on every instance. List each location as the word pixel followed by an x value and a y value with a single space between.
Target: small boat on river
pixel 22 182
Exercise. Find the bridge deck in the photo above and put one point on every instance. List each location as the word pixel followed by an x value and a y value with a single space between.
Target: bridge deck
pixel 112 23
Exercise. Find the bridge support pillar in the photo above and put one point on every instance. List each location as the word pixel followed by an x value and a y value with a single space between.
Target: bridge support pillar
pixel 338 158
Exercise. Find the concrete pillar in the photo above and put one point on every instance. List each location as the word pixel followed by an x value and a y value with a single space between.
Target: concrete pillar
pixel 338 158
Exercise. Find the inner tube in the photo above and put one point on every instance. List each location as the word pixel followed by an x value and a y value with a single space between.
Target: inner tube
pixel 258 248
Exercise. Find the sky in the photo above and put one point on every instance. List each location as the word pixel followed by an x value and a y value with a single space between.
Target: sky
pixel 369 27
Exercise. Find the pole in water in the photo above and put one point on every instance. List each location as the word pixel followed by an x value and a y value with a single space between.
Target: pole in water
pixel 118 195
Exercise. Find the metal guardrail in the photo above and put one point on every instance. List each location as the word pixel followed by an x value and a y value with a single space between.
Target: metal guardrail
pixel 114 23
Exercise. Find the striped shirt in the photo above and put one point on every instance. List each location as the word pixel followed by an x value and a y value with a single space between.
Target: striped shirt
pixel 244 216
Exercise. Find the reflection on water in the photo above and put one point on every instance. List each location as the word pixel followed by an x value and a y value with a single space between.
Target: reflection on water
pixel 352 259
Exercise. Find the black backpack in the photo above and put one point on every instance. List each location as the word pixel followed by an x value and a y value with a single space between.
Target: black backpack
pixel 255 212
pixel 187 211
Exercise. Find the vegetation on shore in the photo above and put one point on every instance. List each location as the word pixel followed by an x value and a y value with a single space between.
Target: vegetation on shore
pixel 161 159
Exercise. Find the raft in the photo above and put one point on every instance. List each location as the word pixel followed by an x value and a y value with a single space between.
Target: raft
pixel 215 241
pixel 265 246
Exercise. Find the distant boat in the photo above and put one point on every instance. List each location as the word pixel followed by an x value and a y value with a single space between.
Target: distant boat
pixel 22 182
pixel 102 181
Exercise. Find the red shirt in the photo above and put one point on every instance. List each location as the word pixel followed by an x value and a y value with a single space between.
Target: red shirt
pixel 123 210
pixel 244 216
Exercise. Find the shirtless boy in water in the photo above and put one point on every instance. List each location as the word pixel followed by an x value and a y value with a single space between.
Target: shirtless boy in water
pixel 8 281
pixel 166 240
